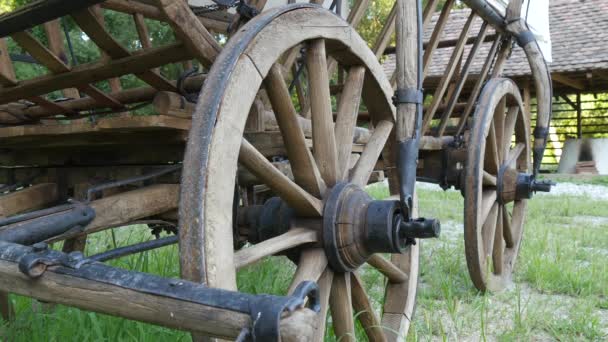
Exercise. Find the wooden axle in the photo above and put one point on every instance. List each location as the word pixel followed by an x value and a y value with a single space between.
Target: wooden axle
pixel 62 285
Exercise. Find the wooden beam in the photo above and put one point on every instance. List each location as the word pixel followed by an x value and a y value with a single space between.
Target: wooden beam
pixel 57 66
pixel 94 72
pixel 565 80
pixel 35 197
pixel 90 23
pixel 122 301
pixel 194 35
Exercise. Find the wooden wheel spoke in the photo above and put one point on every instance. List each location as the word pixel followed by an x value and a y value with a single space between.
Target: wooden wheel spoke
pixel 499 243
pixel 510 122
pixel 341 307
pixel 348 110
pixel 514 154
pixel 488 179
pixel 323 137
pixel 305 171
pixel 499 128
pixel 363 308
pixel 371 153
pixel 293 194
pixel 386 267
pixel 325 286
pixel 491 161
pixel 488 230
pixel 506 228
pixel 312 264
pixel 488 198
pixel 292 238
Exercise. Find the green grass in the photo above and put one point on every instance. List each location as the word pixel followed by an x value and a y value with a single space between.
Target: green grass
pixel 560 290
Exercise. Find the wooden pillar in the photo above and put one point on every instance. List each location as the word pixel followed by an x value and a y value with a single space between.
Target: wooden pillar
pixel 527 102
pixel 579 116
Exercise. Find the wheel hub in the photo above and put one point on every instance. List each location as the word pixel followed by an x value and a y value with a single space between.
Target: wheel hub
pixel 355 227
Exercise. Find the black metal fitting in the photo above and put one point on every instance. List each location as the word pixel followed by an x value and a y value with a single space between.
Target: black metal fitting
pixel 525 38
pixel 527 185
pixel 269 220
pixel 413 96
pixel 407 161
pixel 35 264
pixel 419 228
pixel 381 219
pixel 35 227
pixel 387 231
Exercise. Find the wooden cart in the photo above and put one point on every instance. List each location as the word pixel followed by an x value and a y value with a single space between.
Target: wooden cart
pixel 295 117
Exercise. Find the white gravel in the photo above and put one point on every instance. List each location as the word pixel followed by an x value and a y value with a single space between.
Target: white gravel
pixel 592 192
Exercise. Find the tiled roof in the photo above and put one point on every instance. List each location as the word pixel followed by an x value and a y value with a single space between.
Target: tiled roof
pixel 579 34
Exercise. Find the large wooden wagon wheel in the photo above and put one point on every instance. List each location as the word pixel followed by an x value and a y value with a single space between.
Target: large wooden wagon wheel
pixel 319 216
pixel 495 208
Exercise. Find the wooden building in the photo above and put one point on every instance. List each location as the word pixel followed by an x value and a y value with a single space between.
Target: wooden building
pixel 579 35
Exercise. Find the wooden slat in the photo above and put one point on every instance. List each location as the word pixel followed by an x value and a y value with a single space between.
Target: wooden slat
pixel 90 73
pixel 94 28
pixel 436 35
pixel 8 79
pixel 386 34
pixel 478 85
pixel 462 80
pixel 55 41
pixel 57 66
pixel 448 74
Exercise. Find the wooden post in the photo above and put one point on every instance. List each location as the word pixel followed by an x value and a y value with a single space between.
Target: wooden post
pixel 579 116
pixel 527 102
pixel 407 70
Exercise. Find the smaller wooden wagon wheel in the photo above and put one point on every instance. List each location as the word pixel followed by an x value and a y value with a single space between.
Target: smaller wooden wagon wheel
pixel 494 210
pixel 319 217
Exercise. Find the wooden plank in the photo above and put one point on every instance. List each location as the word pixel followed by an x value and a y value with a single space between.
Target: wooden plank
pixel 151 123
pixel 94 72
pixel 94 28
pixel 35 197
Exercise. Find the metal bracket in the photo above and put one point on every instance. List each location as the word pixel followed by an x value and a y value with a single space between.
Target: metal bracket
pixel 524 38
pixel 35 264
pixel 410 95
